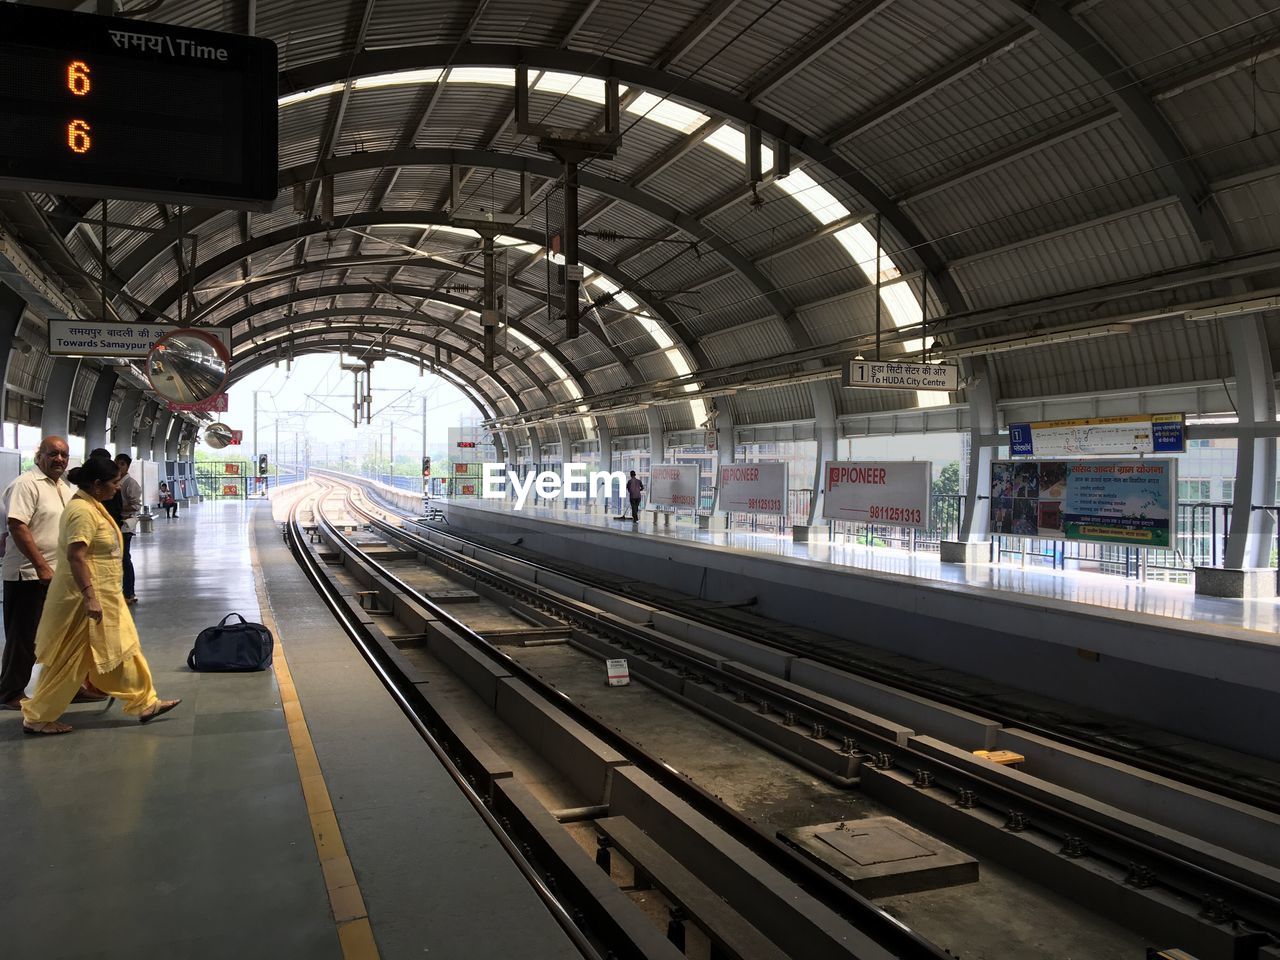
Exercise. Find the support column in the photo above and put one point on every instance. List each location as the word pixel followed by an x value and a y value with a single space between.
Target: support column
pixel 657 445
pixel 1246 568
pixel 566 455
pixel 535 447
pixel 974 545
pixel 604 434
pixel 123 425
pixel 55 419
pixel 160 430
pixel 499 448
pixel 95 425
pixel 726 453
pixel 147 417
pixel 824 428
pixel 11 306
pixel 175 436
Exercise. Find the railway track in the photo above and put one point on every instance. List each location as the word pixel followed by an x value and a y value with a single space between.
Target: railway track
pixel 1211 897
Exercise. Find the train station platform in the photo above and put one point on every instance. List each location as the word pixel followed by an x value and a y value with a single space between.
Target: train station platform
pixel 1205 667
pixel 289 813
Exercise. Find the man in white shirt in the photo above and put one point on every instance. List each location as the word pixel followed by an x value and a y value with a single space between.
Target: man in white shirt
pixel 35 502
pixel 130 504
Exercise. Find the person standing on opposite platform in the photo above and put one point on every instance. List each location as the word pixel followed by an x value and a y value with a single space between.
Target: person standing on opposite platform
pixel 131 503
pixel 35 502
pixel 87 628
pixel 634 489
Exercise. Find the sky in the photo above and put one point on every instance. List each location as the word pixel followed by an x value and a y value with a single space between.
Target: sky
pixel 314 399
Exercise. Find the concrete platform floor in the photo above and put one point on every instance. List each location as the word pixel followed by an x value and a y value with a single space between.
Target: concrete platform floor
pixel 1173 601
pixel 193 836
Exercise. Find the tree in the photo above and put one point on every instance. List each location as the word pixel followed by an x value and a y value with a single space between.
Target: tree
pixel 946 502
pixel 947 482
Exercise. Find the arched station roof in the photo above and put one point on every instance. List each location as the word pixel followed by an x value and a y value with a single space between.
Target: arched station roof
pixel 1074 191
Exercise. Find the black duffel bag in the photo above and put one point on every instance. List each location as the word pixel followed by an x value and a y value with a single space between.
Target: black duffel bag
pixel 236 647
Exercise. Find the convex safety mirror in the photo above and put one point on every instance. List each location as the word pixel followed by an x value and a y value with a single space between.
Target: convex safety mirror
pixel 218 435
pixel 188 366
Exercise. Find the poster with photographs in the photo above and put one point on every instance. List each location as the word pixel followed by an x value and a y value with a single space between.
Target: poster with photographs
pixel 1105 501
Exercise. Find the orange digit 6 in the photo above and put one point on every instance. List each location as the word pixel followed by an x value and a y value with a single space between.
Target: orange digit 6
pixel 78 136
pixel 78 78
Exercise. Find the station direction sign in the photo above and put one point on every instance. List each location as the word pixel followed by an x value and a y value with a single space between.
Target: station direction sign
pixel 91 338
pixel 885 375
pixel 1100 436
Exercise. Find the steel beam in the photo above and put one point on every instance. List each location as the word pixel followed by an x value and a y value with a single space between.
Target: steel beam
pixel 340 333
pixel 714 99
pixel 426 319
pixel 1172 164
pixel 471 390
pixel 657 440
pixel 287 235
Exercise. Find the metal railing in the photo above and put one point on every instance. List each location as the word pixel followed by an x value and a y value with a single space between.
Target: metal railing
pixel 946 512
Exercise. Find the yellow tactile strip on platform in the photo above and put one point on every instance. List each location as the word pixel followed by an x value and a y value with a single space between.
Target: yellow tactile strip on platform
pixel 345 899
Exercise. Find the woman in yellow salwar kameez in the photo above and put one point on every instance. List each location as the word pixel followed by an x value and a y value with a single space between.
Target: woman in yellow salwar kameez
pixel 86 628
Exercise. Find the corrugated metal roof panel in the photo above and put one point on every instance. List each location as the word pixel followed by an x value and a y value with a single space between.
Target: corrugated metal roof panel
pixel 1156 39
pixel 774 405
pixel 892 51
pixel 1253 210
pixel 307 32
pixel 402 23
pixel 698 179
pixel 1230 125
pixel 1096 172
pixel 1148 240
pixel 753 341
pixel 1152 355
pixel 755 37
pixel 629 32
pixel 1007 101
pixel 515 21
pixel 300 126
pixel 816 273
pixel 376 119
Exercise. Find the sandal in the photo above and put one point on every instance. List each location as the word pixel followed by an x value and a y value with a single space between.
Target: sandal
pixel 157 709
pixel 50 729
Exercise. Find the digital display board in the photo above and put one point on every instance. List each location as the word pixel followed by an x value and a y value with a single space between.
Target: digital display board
pixel 112 107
